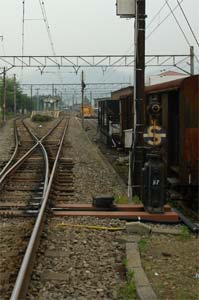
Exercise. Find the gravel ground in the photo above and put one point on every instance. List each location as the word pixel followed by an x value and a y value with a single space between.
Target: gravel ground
pixel 92 174
pixel 171 264
pixel 6 141
pixel 41 128
pixel 14 235
pixel 78 263
pixel 89 264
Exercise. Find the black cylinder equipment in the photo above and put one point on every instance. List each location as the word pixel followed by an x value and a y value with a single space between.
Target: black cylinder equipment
pixel 153 184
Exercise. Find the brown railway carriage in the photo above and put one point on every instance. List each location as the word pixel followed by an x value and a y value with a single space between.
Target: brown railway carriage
pixel 179 116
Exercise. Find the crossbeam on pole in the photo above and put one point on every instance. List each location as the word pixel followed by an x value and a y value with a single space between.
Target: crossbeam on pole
pixel 90 61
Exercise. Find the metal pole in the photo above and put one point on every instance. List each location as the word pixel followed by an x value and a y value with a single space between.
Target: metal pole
pixel 15 96
pixel 31 104
pixel 83 86
pixel 37 100
pixel 91 96
pixel 4 94
pixel 139 84
pixel 192 60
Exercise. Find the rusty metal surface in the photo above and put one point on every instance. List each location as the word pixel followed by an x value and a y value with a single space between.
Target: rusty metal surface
pixel 165 86
pixel 118 207
pixel 134 215
pixel 189 131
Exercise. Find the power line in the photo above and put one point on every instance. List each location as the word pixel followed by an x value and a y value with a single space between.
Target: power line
pixel 163 20
pixel 156 15
pixel 23 27
pixel 2 45
pixel 43 10
pixel 178 22
pixel 188 23
pixel 47 26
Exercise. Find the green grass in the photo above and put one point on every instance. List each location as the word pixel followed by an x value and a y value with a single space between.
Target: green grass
pixel 121 199
pixel 127 290
pixel 142 244
pixel 185 233
pixel 41 118
pixel 136 200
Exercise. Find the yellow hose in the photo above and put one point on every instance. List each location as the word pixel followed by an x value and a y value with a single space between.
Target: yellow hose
pixel 91 227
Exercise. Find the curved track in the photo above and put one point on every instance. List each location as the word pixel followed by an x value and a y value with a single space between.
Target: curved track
pixel 23 187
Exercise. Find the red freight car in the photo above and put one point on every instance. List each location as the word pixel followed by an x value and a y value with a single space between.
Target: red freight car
pixel 179 101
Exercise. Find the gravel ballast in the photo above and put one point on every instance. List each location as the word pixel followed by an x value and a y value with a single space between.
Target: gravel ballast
pixel 76 262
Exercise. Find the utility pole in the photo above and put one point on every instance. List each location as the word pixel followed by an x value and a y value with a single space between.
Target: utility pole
pixel 4 94
pixel 139 84
pixel 15 96
pixel 37 99
pixel 91 96
pixel 192 60
pixel 83 87
pixel 31 103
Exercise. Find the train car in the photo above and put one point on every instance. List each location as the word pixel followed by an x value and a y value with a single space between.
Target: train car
pixel 88 110
pixel 108 121
pixel 115 116
pixel 179 117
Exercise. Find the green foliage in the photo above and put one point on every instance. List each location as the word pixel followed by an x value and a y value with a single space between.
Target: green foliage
pixel 124 199
pixel 127 290
pixel 22 100
pixel 142 244
pixel 41 118
pixel 125 262
pixel 121 199
pixel 136 200
pixel 185 233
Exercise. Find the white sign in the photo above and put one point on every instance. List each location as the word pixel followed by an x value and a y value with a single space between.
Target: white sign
pixel 125 8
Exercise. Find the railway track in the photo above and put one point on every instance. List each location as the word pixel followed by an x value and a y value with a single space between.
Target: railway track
pixel 49 235
pixel 56 255
pixel 23 185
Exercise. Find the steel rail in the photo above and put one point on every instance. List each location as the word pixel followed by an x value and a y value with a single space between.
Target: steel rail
pixel 23 278
pixel 27 154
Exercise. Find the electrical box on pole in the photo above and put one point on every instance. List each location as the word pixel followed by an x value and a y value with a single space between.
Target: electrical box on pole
pixel 136 9
pixel 125 8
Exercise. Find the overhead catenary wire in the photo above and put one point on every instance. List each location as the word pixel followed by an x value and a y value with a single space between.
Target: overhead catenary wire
pixel 156 15
pixel 23 28
pixel 178 23
pixel 153 19
pixel 23 35
pixel 150 34
pixel 45 19
pixel 2 45
pixel 180 27
pixel 188 23
pixel 163 20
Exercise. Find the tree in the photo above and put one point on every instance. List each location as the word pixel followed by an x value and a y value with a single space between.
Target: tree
pixel 23 101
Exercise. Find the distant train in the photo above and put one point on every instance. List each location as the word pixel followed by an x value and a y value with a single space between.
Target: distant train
pixel 178 100
pixel 87 111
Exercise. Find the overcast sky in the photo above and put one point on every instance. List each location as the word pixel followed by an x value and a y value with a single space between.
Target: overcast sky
pixel 91 27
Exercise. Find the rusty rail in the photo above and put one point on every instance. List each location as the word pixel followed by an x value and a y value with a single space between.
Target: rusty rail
pixel 27 154
pixel 21 285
